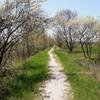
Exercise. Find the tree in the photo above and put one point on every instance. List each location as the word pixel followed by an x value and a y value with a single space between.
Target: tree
pixel 18 18
pixel 63 23
pixel 87 34
pixel 59 39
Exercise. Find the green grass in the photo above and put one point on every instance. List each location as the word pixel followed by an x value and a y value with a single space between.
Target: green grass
pixel 29 76
pixel 84 86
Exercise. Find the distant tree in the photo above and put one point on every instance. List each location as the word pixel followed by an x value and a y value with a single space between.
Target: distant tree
pixel 59 39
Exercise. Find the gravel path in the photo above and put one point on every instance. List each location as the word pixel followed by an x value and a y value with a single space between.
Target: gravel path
pixel 57 87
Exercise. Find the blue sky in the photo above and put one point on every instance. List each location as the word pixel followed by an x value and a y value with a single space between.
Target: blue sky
pixel 83 7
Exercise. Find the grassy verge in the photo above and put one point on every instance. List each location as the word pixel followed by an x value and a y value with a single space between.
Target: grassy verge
pixel 84 85
pixel 29 76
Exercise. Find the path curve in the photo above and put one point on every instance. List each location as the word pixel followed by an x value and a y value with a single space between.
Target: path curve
pixel 57 87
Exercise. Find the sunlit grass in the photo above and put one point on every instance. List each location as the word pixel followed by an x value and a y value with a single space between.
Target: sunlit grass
pixel 84 86
pixel 30 74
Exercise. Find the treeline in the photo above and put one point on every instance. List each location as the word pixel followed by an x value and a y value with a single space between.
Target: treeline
pixel 23 27
pixel 71 29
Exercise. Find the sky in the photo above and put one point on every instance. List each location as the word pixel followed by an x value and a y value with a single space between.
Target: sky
pixel 83 7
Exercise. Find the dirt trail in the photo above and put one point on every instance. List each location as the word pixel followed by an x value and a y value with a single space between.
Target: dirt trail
pixel 57 87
